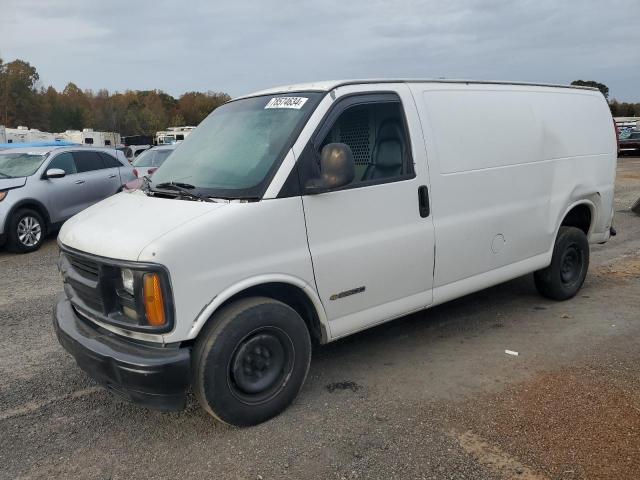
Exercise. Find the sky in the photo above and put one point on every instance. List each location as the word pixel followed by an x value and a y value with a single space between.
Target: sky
pixel 242 46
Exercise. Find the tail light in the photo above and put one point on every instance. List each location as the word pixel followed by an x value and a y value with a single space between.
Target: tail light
pixel 135 172
pixel 151 170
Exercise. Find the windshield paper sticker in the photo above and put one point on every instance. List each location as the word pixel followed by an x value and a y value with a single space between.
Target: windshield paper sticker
pixel 287 102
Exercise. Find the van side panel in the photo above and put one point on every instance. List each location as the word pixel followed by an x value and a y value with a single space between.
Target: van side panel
pixel 506 163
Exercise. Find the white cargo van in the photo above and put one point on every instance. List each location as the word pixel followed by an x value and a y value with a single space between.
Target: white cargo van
pixel 311 212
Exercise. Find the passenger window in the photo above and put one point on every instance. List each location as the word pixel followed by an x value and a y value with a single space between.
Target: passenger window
pixel 65 162
pixel 376 134
pixel 109 161
pixel 88 161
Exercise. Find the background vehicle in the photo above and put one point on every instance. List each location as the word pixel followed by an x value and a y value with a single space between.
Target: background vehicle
pixel 172 135
pixel 132 152
pixel 316 211
pixel 41 187
pixel 149 160
pixel 23 134
pixel 55 143
pixel 90 137
pixel 630 142
pixel 137 140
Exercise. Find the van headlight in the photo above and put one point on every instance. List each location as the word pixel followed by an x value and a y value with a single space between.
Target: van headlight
pixel 127 280
pixel 143 297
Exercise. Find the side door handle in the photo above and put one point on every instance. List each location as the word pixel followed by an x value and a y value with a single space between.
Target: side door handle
pixel 423 201
pixel 113 175
pixel 78 182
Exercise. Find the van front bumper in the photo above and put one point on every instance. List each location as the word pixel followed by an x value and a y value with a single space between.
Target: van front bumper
pixel 155 377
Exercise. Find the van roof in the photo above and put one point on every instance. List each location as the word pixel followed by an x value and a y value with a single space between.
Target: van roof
pixel 328 85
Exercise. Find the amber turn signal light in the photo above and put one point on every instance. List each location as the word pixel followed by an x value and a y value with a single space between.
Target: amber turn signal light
pixel 153 300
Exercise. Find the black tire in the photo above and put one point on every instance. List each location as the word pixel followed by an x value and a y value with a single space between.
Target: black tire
pixel 569 264
pixel 26 231
pixel 251 361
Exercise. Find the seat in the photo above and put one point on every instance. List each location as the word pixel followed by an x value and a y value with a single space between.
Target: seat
pixel 388 153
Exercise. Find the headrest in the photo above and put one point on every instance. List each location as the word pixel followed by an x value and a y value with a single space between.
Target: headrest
pixel 389 130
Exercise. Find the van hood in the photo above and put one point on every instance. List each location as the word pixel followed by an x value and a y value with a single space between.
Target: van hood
pixel 121 226
pixel 9 183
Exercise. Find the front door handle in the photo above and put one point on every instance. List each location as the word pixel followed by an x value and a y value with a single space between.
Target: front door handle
pixel 113 175
pixel 423 201
pixel 78 182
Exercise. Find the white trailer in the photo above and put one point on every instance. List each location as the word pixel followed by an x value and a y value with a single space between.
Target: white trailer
pixel 23 134
pixel 172 135
pixel 87 136
pixel 627 122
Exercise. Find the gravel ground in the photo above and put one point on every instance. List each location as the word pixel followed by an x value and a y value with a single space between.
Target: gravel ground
pixel 432 395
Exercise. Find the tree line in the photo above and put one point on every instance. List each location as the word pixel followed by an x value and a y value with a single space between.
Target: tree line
pixel 24 101
pixel 618 109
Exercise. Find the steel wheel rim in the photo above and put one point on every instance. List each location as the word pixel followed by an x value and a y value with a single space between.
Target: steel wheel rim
pixel 29 231
pixel 570 265
pixel 261 365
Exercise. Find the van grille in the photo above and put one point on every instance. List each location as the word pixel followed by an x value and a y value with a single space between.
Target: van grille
pixel 82 283
pixel 84 267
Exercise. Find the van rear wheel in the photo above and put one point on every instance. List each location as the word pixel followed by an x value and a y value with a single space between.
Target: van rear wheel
pixel 569 264
pixel 251 361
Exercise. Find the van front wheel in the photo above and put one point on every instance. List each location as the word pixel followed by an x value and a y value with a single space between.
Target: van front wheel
pixel 569 264
pixel 251 361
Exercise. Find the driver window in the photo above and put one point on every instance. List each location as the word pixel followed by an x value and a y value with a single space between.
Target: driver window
pixel 376 134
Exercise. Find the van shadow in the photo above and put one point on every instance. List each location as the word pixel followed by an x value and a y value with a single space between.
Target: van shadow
pixel 463 317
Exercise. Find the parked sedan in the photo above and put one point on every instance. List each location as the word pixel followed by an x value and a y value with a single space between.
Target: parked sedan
pixel 630 142
pixel 41 187
pixel 149 161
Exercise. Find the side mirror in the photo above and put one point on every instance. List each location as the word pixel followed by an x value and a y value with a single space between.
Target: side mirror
pixel 337 169
pixel 55 173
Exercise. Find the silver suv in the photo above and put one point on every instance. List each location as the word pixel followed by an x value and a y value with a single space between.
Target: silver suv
pixel 41 187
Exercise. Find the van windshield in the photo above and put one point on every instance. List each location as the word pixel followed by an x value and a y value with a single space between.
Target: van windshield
pixel 19 164
pixel 234 152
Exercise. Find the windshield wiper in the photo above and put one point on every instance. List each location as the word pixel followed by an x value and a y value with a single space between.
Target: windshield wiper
pixel 184 189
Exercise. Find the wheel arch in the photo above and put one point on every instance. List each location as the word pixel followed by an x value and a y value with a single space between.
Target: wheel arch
pixel 33 204
pixel 581 214
pixel 290 290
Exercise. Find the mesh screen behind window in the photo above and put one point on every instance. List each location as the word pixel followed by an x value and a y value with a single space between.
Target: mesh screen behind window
pixel 355 130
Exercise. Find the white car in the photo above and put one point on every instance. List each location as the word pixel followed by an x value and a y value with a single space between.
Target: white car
pixel 311 212
pixel 150 160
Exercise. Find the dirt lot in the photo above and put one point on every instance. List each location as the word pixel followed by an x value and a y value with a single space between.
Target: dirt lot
pixel 432 395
